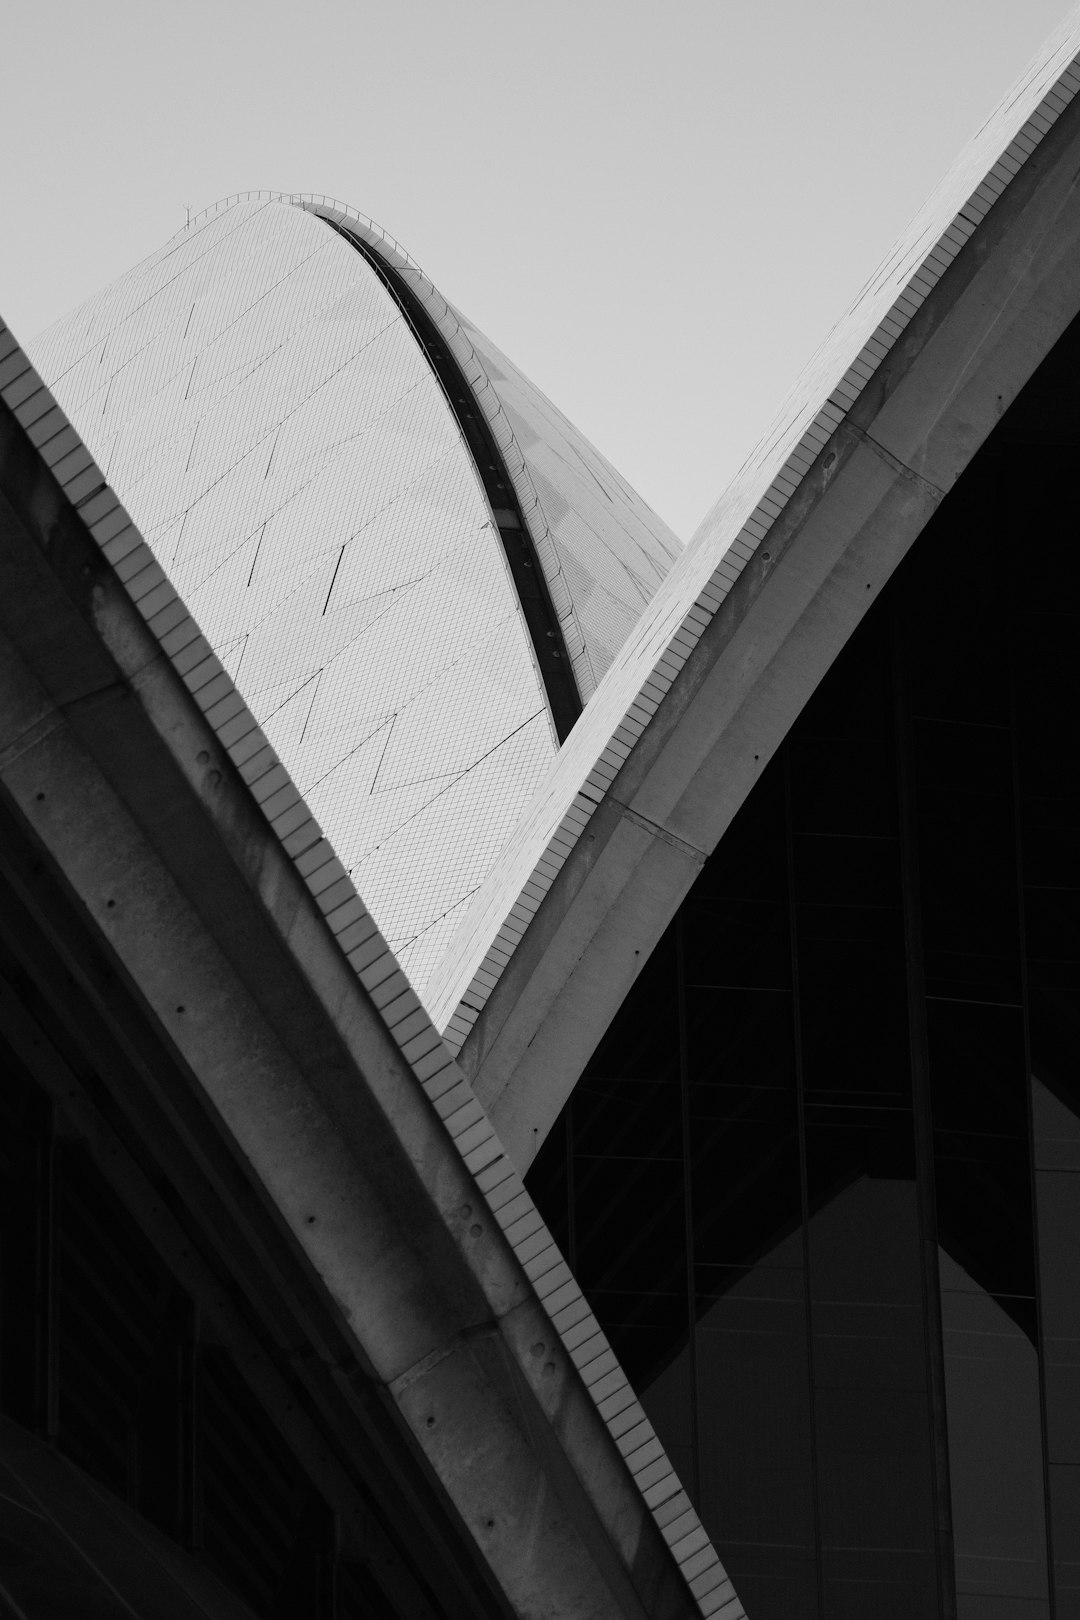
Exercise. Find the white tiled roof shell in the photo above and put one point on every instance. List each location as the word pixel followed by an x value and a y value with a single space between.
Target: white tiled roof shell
pixel 264 410
pixel 650 659
pixel 603 551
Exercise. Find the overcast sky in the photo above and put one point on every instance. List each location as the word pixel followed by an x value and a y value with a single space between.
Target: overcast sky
pixel 656 207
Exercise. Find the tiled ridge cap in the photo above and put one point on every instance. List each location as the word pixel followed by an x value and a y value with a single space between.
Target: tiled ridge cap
pixel 374 965
pixel 624 703
pixel 446 318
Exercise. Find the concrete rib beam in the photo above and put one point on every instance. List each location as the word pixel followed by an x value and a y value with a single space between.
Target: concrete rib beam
pixel 127 794
pixel 968 351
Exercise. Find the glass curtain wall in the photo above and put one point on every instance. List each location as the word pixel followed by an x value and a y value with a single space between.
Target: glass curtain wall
pixel 821 1180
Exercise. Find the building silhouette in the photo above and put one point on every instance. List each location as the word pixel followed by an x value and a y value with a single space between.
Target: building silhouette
pixel 705 1239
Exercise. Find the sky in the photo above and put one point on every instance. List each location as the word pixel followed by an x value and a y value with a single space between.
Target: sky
pixel 657 208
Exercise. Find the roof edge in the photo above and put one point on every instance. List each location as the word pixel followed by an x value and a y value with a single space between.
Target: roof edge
pixel 736 527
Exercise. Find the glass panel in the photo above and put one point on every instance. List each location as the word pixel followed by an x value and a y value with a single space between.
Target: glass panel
pixel 1065 1521
pixel 753 1387
pixel 754 1402
pixel 995 1445
pixel 1059 1241
pixel 24 1199
pixel 629 1199
pixel 967 860
pixel 1046 637
pixel 752 1369
pixel 1057 1183
pixel 983 1177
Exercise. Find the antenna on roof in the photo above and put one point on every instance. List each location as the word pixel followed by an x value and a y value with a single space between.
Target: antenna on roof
pixel 187 206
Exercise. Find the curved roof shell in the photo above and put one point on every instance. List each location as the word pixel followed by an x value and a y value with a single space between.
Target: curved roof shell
pixel 264 401
pixel 602 550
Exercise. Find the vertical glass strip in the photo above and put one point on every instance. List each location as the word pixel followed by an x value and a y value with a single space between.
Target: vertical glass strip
pixel 962 747
pixel 1046 635
pixel 754 1429
pixel 871 1401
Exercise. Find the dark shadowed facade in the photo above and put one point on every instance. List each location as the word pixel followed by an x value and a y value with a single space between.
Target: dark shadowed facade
pixel 846 1089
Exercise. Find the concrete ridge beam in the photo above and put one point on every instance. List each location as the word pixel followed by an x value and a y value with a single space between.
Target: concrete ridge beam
pixel 970 348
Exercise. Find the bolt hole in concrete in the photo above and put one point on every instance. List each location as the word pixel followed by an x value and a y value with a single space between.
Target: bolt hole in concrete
pixel 430 1422
pixel 476 1229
